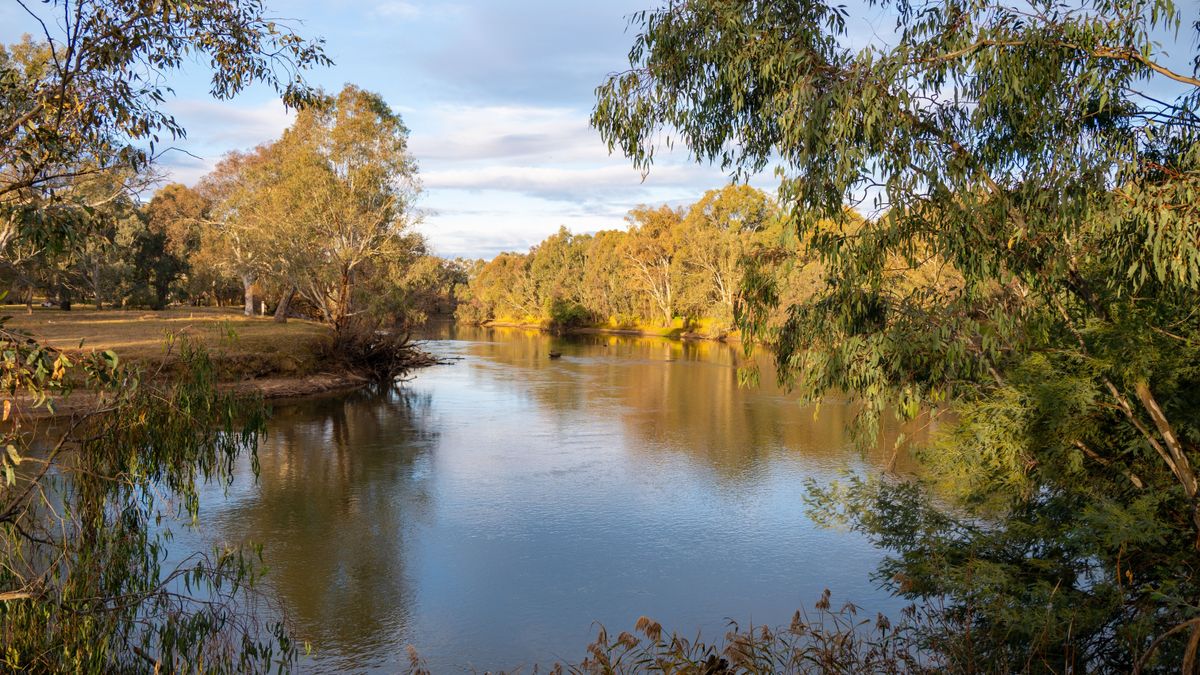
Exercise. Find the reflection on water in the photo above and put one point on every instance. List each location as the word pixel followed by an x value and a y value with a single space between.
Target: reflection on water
pixel 489 512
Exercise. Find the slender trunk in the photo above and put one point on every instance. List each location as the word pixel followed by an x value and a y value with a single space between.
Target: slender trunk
pixel 343 301
pixel 668 314
pixel 248 285
pixel 285 302
pixel 29 300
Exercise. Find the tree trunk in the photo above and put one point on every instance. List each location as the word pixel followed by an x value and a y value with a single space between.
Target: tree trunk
pixel 285 302
pixel 343 301
pixel 96 286
pixel 29 300
pixel 248 284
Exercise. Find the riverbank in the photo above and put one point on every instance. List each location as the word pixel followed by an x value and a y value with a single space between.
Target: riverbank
pixel 702 329
pixel 252 355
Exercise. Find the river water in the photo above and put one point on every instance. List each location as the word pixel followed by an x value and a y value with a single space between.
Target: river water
pixel 494 512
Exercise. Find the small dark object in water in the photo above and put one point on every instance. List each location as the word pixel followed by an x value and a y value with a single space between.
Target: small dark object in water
pixel 555 355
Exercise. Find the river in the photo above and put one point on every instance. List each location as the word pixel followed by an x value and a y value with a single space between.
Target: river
pixel 495 511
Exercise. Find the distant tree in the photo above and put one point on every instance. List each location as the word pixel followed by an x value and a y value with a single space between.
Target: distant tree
pixel 716 234
pixel 651 251
pixel 357 194
pixel 234 238
pixel 606 278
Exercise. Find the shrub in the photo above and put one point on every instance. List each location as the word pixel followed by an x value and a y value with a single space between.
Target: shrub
pixel 372 349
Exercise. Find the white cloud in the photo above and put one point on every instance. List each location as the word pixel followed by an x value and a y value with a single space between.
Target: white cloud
pixel 493 132
pixel 398 9
pixel 540 152
pixel 564 182
pixel 229 125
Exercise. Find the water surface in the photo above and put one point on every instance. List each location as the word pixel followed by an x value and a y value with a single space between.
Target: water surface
pixel 494 511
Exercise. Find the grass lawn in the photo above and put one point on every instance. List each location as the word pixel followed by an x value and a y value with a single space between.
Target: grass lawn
pixel 243 347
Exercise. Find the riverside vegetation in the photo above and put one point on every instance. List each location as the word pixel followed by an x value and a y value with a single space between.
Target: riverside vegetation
pixel 86 502
pixel 991 215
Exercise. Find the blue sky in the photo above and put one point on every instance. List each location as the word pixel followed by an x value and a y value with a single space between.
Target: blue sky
pixel 497 95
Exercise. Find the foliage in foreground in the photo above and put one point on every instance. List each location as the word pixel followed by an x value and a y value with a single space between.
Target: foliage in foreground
pixel 85 585
pixel 85 516
pixel 1018 148
pixel 827 640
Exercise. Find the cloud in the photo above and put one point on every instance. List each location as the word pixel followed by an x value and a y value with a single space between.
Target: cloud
pixel 180 167
pixel 491 132
pixel 214 128
pixel 544 152
pixel 565 184
pixel 530 50
pixel 229 125
pixel 397 9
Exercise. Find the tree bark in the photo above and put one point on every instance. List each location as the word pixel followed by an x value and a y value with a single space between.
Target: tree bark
pixel 96 286
pixel 248 285
pixel 285 302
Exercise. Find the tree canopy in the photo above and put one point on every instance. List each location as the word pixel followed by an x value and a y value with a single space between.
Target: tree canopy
pixel 85 584
pixel 1044 158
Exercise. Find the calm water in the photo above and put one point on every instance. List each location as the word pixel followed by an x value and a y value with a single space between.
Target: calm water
pixel 493 512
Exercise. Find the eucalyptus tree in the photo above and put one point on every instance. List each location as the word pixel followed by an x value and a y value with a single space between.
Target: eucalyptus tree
pixel 1047 156
pixel 235 236
pixel 180 214
pixel 360 186
pixel 651 249
pixel 606 277
pixel 717 233
pixel 82 96
pixel 83 582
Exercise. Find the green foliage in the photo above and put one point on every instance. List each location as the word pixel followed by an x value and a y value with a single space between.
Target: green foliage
pixel 83 582
pixel 326 211
pixel 85 522
pixel 1030 264
pixel 567 314
pixel 79 99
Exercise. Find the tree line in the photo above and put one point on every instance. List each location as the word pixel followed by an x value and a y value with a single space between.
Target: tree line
pixel 683 267
pixel 671 263
pixel 317 223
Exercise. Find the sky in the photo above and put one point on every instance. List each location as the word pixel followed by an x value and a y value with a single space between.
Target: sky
pixel 497 96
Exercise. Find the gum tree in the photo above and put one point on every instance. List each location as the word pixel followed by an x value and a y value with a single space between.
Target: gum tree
pixel 83 586
pixel 1044 157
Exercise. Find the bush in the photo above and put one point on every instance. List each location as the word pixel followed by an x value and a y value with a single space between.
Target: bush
pixel 370 348
pixel 568 314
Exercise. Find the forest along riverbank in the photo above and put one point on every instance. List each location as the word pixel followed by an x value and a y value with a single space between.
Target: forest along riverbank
pixel 679 329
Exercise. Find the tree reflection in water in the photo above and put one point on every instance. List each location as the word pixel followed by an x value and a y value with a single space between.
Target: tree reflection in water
pixel 341 481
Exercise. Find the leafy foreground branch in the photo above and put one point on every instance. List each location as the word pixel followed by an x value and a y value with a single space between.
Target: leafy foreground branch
pixel 85 580
pixel 1014 148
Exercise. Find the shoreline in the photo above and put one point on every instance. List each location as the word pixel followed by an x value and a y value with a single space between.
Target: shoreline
pixel 282 389
pixel 667 334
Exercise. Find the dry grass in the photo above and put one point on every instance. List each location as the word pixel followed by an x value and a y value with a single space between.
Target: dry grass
pixel 243 347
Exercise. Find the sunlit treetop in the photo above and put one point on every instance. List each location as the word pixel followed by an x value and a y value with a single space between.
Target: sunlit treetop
pixel 89 87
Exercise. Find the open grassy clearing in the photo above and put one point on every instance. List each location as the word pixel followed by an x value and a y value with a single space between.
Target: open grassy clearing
pixel 243 347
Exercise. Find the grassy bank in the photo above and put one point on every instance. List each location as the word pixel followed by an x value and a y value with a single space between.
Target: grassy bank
pixel 250 353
